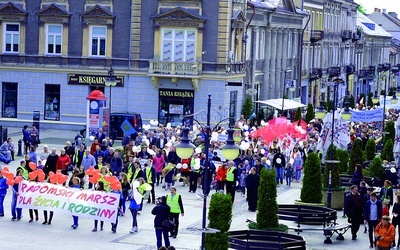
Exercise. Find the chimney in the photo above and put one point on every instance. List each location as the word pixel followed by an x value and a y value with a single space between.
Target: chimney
pixel 384 11
pixel 393 14
pixel 376 10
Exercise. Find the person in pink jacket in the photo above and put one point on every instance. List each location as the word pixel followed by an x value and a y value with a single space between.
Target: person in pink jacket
pixel 159 163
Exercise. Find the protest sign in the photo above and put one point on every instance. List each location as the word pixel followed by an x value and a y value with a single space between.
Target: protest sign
pixel 94 205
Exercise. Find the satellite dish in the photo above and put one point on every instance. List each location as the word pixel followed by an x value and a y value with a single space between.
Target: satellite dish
pixel 251 92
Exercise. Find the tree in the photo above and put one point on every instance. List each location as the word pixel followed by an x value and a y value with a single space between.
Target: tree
pixel 310 113
pixel 375 169
pixel 311 191
pixel 343 157
pixel 362 9
pixel 297 116
pixel 370 149
pixel 331 154
pixel 387 151
pixel 248 107
pixel 267 206
pixel 351 102
pixel 355 155
pixel 220 217
pixel 389 128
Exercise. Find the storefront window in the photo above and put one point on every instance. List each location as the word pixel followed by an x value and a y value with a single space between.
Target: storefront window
pixel 10 100
pixel 175 105
pixel 52 102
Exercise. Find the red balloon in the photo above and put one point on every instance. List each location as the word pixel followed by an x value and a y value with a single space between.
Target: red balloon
pixel 93 180
pixel 40 175
pixel 10 182
pixel 107 178
pixel 61 179
pixel 32 175
pixel 53 178
pixel 58 172
pixel 32 165
pixel 5 168
pixel 18 179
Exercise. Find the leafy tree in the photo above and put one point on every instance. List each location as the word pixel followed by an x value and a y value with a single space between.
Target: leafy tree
pixel 351 102
pixel 267 206
pixel 331 154
pixel 362 9
pixel 389 128
pixel 220 217
pixel 329 105
pixel 297 116
pixel 375 169
pixel 310 113
pixel 343 157
pixel 370 149
pixel 311 191
pixel 355 155
pixel 248 107
pixel 387 152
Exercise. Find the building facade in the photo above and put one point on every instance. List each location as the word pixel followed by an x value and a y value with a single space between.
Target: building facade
pixel 167 56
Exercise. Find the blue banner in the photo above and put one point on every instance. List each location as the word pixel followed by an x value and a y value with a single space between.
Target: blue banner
pixel 373 115
pixel 127 127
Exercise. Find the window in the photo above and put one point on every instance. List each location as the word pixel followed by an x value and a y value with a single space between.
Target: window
pixel 52 102
pixel 53 39
pixel 178 45
pixel 9 100
pixel 262 45
pixel 98 39
pixel 11 35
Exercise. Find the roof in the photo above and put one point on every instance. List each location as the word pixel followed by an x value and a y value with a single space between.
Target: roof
pixel 261 5
pixel 369 27
pixel 277 103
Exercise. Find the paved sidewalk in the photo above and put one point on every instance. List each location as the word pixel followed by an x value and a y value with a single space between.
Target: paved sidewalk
pixel 23 235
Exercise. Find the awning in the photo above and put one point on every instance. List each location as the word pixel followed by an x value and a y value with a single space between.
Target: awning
pixel 277 103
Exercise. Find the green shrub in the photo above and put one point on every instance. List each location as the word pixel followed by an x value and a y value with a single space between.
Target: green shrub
pixel 310 113
pixel 297 116
pixel 267 206
pixel 351 102
pixel 311 191
pixel 356 155
pixel 220 217
pixel 370 149
pixel 248 107
pixel 331 154
pixel 369 101
pixel 389 128
pixel 375 169
pixel 343 157
pixel 387 152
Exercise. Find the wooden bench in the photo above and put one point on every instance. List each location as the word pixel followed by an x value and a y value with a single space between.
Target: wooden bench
pixel 328 231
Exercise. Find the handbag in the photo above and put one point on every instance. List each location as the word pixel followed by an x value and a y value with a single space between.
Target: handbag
pixel 168 224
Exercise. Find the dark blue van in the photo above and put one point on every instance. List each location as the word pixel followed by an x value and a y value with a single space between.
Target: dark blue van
pixel 128 123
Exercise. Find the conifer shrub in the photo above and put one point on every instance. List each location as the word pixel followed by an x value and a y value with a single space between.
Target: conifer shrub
pixel 356 155
pixel 370 149
pixel 311 191
pixel 387 151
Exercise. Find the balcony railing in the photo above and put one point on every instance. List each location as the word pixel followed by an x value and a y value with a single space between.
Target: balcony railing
pixel 346 35
pixel 316 35
pixel 315 73
pixel 334 71
pixel 175 68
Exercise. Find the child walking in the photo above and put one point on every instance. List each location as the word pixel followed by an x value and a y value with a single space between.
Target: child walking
pixel 288 174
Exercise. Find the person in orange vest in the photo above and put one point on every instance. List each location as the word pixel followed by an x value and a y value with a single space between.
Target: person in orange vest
pixel 384 234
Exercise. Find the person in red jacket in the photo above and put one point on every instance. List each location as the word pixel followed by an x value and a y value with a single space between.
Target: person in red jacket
pixel 384 234
pixel 221 177
pixel 63 162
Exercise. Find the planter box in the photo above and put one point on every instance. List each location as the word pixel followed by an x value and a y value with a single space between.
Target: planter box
pixel 337 199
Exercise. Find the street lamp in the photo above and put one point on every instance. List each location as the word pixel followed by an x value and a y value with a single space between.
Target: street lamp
pixel 184 150
pixel 291 88
pixel 110 82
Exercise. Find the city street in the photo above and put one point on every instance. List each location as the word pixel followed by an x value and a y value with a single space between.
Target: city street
pixel 59 235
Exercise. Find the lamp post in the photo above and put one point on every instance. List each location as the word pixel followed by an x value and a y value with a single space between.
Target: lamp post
pixel 110 82
pixel 185 150
pixel 345 115
pixel 291 88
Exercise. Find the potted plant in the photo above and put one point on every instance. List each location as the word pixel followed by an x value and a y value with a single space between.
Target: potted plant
pixel 311 191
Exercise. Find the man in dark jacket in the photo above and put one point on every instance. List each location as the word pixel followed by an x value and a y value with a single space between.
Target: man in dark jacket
pixel 372 216
pixel 252 184
pixel 353 208
pixel 161 212
pixel 51 162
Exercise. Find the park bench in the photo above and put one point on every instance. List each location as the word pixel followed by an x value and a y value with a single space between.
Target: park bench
pixel 339 229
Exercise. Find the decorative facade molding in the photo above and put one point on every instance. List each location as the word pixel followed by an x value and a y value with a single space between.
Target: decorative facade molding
pixel 179 17
pixel 98 15
pixel 10 12
pixel 54 13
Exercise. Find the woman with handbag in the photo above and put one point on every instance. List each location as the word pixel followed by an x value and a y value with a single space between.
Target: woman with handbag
pixel 161 212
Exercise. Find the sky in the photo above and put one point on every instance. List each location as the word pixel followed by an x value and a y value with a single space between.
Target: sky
pixel 389 5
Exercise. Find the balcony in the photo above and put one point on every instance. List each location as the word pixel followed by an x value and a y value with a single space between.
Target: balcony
pixel 334 71
pixel 315 73
pixel 175 68
pixel 236 67
pixel 357 36
pixel 350 69
pixel 362 73
pixel 346 35
pixel 316 35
